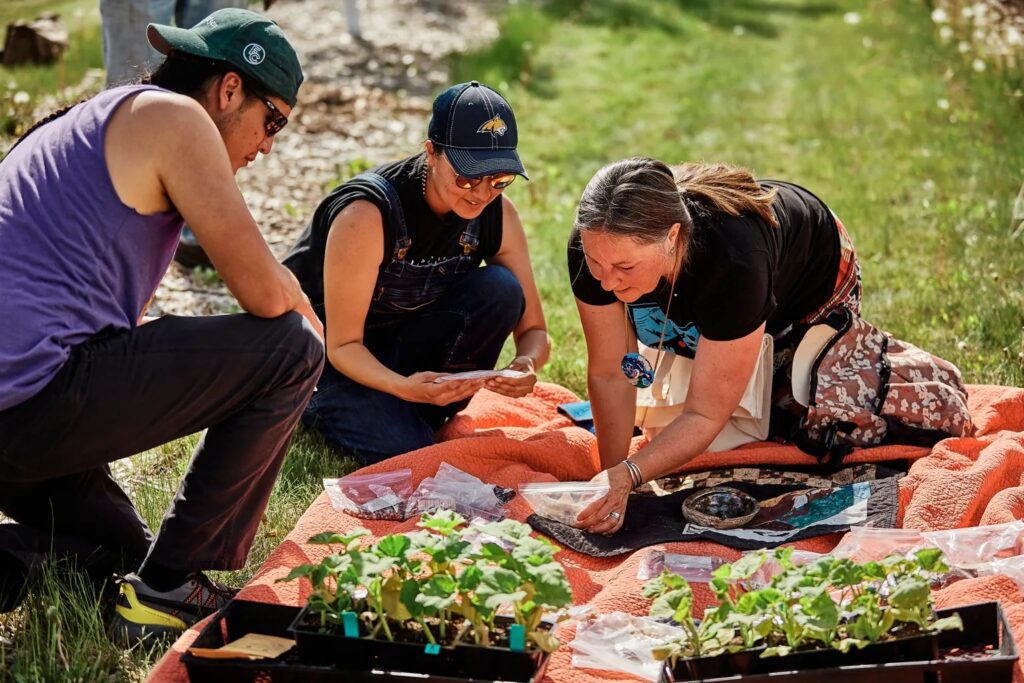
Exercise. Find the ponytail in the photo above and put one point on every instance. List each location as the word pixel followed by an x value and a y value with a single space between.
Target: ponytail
pixel 725 189
pixel 43 121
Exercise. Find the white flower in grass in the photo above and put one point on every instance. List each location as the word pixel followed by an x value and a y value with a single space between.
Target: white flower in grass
pixel 739 30
pixel 963 47
pixel 851 18
pixel 978 65
pixel 942 104
pixel 22 97
pixel 1013 36
pixel 946 33
pixel 939 16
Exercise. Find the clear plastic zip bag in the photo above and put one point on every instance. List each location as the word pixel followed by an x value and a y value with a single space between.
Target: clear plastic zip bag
pixel 453 489
pixel 562 501
pixel 371 496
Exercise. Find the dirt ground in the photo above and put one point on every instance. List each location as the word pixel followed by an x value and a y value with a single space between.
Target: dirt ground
pixel 364 98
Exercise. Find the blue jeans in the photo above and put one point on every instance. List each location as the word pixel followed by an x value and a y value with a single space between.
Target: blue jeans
pixel 462 330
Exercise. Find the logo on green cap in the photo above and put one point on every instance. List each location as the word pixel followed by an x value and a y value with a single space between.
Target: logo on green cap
pixel 254 54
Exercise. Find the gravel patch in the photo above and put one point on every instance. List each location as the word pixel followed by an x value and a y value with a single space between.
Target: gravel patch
pixel 366 100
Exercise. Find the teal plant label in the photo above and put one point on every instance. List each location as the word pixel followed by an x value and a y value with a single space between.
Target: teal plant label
pixel 350 624
pixel 432 648
pixel 516 637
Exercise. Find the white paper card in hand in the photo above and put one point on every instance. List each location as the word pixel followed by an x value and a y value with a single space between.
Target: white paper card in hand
pixel 480 374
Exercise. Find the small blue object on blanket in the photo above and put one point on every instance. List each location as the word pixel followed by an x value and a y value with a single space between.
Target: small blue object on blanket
pixel 579 413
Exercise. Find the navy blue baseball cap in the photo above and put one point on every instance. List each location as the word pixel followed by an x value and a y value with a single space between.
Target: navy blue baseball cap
pixel 477 129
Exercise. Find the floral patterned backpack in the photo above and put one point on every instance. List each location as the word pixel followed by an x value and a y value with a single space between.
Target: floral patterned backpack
pixel 867 388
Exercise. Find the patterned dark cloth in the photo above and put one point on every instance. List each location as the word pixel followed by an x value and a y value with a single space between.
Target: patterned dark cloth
pixel 796 513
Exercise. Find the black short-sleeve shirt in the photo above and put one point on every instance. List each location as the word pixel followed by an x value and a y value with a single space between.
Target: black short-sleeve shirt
pixel 433 237
pixel 741 271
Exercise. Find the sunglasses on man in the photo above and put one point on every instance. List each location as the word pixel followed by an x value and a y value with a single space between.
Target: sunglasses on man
pixel 276 120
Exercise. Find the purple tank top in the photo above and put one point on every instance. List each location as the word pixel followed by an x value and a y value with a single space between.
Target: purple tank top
pixel 74 260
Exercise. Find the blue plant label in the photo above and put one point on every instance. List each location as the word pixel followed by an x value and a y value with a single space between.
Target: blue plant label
pixel 432 648
pixel 516 637
pixel 350 624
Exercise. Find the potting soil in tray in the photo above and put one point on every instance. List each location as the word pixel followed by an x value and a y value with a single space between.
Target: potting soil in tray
pixel 983 651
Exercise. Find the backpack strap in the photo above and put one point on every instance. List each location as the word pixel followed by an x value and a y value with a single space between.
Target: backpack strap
pixel 830 454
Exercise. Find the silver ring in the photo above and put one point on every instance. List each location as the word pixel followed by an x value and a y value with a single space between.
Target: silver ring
pixel 616 515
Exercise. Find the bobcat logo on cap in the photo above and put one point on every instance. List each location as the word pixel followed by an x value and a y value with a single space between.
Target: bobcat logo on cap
pixel 254 54
pixel 496 127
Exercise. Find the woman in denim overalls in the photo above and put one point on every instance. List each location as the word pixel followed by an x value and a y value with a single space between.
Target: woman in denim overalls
pixel 392 261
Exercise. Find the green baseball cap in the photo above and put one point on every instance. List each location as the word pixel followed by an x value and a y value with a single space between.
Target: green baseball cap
pixel 247 40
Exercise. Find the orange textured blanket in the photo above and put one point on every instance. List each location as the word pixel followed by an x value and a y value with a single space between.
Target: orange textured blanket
pixel 962 482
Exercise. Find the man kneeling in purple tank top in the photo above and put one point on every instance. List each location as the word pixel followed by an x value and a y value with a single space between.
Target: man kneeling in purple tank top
pixel 92 202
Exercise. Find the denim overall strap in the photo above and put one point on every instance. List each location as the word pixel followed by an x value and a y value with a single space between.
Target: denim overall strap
pixel 402 241
pixel 469 240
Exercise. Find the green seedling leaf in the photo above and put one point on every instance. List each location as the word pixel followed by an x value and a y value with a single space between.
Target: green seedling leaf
pixel 535 551
pixel 407 595
pixel 845 644
pixel 507 529
pixel 777 651
pixel 437 593
pixel 550 585
pixel 545 640
pixel 782 556
pixel 394 546
pixel 301 571
pixel 391 599
pixel 498 587
pixel 745 567
pixel 910 593
pixel 445 522
pixel 930 560
pixel 948 623
pixel 470 578
pixel 333 538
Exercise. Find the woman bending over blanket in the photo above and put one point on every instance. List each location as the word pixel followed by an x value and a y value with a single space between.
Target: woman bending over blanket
pixel 392 263
pixel 730 259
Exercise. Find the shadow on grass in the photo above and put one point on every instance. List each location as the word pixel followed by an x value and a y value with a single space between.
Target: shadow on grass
pixel 525 28
pixel 755 16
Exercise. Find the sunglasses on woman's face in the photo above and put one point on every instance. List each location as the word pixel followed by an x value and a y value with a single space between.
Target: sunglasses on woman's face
pixel 276 120
pixel 497 182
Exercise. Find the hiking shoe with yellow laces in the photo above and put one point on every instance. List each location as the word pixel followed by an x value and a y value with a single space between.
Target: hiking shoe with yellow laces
pixel 143 613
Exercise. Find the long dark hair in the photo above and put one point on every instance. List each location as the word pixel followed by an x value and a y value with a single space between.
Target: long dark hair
pixel 642 198
pixel 180 72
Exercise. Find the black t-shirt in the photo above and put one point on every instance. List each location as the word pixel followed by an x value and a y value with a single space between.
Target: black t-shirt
pixel 740 271
pixel 433 237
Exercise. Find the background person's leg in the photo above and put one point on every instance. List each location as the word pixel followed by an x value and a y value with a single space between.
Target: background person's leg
pixel 126 52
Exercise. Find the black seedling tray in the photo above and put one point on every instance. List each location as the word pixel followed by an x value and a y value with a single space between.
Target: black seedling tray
pixel 241 617
pixel 984 625
pixel 463 662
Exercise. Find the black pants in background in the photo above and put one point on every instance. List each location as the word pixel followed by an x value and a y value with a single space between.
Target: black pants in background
pixel 244 379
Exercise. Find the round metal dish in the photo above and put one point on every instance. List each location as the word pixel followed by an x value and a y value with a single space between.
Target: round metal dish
pixel 721 507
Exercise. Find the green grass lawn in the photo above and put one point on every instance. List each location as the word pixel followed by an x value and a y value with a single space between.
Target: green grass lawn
pixel 919 154
pixel 85 51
